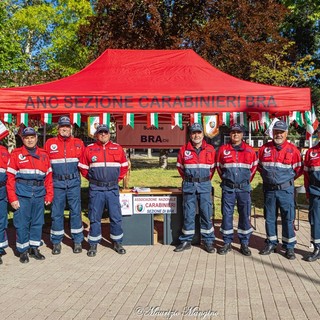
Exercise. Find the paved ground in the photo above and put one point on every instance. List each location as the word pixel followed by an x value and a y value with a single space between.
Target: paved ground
pixel 153 282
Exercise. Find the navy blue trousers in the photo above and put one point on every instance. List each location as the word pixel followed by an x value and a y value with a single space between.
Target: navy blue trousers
pixel 314 219
pixel 3 224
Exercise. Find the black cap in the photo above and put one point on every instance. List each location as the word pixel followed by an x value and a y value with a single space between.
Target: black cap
pixel 280 125
pixel 64 121
pixel 28 131
pixel 196 127
pixel 237 127
pixel 102 128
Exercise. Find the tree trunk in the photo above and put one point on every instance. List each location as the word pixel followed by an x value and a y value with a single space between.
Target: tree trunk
pixel 163 158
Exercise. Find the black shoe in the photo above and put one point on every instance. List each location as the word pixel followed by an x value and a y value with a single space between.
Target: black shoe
pixel 245 250
pixel 1 262
pixel 269 248
pixel 314 255
pixel 35 253
pixel 225 249
pixel 186 245
pixel 24 257
pixel 290 254
pixel 92 251
pixel 117 247
pixel 77 248
pixel 56 248
pixel 208 246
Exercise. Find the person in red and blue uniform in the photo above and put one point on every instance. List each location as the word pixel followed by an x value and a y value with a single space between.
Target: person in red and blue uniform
pixel 104 164
pixel 64 152
pixel 3 200
pixel 29 188
pixel 236 164
pixel 196 165
pixel 312 186
pixel 280 164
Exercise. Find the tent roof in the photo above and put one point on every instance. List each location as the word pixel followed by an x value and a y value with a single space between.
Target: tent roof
pixel 146 81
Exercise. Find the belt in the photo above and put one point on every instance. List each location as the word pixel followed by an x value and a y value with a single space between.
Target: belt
pixel 103 184
pixel 235 185
pixel 31 182
pixel 65 176
pixel 271 187
pixel 3 183
pixel 191 179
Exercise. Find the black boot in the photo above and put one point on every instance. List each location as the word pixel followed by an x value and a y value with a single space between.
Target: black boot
pixel 24 257
pixel 268 249
pixel 35 253
pixel 225 249
pixel 183 246
pixel 117 247
pixel 314 255
pixel 290 254
pixel 77 248
pixel 92 250
pixel 56 248
pixel 245 250
pixel 208 246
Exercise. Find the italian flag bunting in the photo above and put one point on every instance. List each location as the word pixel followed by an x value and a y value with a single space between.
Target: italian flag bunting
pixel 226 118
pixel 128 119
pixel 76 118
pixel 46 118
pixel 23 118
pixel 264 119
pixel 6 117
pixel 196 118
pixel 152 120
pixel 311 122
pixel 3 131
pixel 176 120
pixel 104 118
pixel 241 118
pixel 297 116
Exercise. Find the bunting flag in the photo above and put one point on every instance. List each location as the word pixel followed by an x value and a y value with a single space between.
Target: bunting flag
pixel 176 120
pixel 76 118
pixel 195 118
pixel 152 120
pixel 3 131
pixel 104 118
pixel 6 117
pixel 311 122
pixel 128 119
pixel 297 116
pixel 226 118
pixel 264 119
pixel 23 118
pixel 241 118
pixel 46 118
pixel 269 131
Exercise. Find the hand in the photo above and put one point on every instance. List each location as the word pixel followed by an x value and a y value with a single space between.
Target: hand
pixel 47 203
pixel 15 204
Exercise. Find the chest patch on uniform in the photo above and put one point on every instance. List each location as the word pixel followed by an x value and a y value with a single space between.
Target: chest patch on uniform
pixel 53 147
pixel 267 152
pixel 21 157
pixel 313 154
pixel 94 159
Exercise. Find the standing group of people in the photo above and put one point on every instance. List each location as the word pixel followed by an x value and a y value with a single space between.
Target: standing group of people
pixel 36 177
pixel 279 163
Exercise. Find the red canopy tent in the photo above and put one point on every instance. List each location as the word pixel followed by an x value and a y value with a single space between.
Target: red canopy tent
pixel 152 81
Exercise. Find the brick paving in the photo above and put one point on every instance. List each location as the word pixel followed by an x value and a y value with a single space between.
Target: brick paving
pixel 153 282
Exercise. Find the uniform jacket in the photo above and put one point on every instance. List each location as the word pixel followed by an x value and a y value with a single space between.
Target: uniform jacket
pixel 236 167
pixel 4 158
pixel 34 169
pixel 279 164
pixel 64 156
pixel 193 166
pixel 103 163
pixel 312 170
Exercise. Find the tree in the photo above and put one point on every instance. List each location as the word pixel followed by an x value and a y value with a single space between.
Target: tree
pixel 229 34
